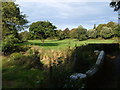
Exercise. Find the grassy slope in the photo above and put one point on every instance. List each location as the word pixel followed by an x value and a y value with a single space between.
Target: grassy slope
pixel 14 76
pixel 62 44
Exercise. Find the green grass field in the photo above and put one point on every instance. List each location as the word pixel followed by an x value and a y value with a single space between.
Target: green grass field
pixel 62 44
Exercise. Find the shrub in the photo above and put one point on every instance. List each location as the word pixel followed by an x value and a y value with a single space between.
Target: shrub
pixel 32 51
pixel 16 56
pixel 23 48
pixel 32 60
pixel 106 32
pixel 8 44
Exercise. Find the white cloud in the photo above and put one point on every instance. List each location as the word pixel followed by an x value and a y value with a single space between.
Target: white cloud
pixel 68 14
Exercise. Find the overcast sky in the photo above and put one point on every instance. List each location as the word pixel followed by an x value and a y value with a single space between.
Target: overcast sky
pixel 69 14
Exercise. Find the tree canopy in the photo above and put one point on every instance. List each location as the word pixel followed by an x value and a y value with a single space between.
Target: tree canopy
pixel 42 30
pixel 12 22
pixel 81 33
pixel 115 5
pixel 106 32
pixel 92 33
pixel 12 19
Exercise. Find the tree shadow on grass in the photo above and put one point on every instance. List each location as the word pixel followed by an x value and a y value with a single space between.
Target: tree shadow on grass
pixel 43 44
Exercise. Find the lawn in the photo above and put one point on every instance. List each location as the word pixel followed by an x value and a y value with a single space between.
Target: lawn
pixel 62 44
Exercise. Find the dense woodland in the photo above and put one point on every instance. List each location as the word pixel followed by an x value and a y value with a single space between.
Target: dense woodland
pixel 28 61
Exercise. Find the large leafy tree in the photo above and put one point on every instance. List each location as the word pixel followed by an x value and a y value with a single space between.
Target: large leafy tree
pixel 66 32
pixel 12 19
pixel 117 31
pixel 24 36
pixel 111 24
pixel 60 34
pixel 92 33
pixel 99 28
pixel 12 22
pixel 73 33
pixel 106 32
pixel 116 6
pixel 81 33
pixel 42 29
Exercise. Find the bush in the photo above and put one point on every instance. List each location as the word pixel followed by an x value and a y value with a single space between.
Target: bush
pixel 31 60
pixel 32 51
pixel 8 44
pixel 82 37
pixel 23 48
pixel 16 56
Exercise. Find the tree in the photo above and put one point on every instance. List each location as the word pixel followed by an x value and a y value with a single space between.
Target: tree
pixel 115 5
pixel 111 24
pixel 81 33
pixel 117 31
pixel 92 33
pixel 12 19
pixel 42 29
pixel 106 32
pixel 73 33
pixel 99 28
pixel 12 22
pixel 66 32
pixel 24 36
pixel 8 44
pixel 60 34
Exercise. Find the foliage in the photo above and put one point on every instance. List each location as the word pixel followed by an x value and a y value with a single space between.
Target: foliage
pixel 60 34
pixel 66 33
pixel 106 32
pixel 16 56
pixel 24 36
pixel 81 33
pixel 32 52
pixel 73 33
pixel 12 22
pixel 31 60
pixel 12 19
pixel 99 28
pixel 15 76
pixel 23 48
pixel 112 25
pixel 8 44
pixel 115 5
pixel 42 30
pixel 117 31
pixel 92 33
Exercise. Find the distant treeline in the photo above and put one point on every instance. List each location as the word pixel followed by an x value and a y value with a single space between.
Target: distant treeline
pixel 39 31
